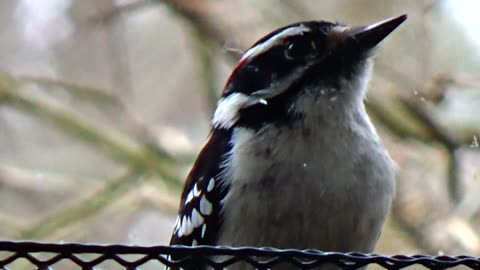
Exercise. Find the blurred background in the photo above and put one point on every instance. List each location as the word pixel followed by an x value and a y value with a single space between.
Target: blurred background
pixel 104 105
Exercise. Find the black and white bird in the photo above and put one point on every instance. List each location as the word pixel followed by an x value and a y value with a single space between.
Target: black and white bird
pixel 293 160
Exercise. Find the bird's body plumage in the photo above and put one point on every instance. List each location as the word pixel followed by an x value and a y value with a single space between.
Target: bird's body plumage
pixel 293 160
pixel 293 173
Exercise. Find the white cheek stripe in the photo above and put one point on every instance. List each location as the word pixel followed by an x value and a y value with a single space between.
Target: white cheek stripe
pixel 226 113
pixel 340 28
pixel 274 40
pixel 228 107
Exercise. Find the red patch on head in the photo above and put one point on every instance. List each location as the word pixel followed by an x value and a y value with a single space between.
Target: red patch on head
pixel 239 64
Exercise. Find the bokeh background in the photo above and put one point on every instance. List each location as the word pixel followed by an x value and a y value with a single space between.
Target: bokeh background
pixel 104 105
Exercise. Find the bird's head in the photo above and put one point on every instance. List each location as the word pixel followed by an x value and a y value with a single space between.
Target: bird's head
pixel 300 68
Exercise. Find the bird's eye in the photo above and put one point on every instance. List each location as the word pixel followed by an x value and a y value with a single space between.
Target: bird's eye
pixel 299 50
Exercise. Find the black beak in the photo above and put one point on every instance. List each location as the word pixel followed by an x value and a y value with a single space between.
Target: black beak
pixel 370 36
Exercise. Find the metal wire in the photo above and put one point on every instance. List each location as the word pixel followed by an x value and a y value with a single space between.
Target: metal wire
pixel 258 258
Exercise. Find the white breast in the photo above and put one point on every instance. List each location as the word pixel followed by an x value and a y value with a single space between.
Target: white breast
pixel 311 185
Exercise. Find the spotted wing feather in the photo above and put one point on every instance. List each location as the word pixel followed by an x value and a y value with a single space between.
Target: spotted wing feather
pixel 199 216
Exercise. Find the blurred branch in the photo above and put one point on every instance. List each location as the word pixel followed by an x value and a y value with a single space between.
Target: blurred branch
pixel 440 135
pixel 399 78
pixel 446 234
pixel 206 69
pixel 408 119
pixel 414 232
pixel 202 46
pixel 293 7
pixel 84 209
pixel 98 96
pixel 117 146
pixel 207 39
pixel 203 51
pixel 102 98
pixel 120 148
pixel 107 15
pixel 7 228
pixel 418 111
pixel 24 179
pixel 192 13
pixel 431 5
pixel 285 12
pixel 421 115
pixel 6 83
pixel 398 119
pixel 119 58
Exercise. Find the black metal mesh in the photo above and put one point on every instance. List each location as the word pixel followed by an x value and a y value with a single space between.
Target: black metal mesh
pixel 86 256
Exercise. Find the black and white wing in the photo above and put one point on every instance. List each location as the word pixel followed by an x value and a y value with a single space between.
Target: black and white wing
pixel 199 216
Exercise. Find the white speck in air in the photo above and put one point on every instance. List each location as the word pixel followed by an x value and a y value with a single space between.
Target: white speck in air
pixel 474 143
pixel 226 114
pixel 333 98
pixel 304 165
pixel 40 176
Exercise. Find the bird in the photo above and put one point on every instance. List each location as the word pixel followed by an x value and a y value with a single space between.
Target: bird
pixel 292 160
